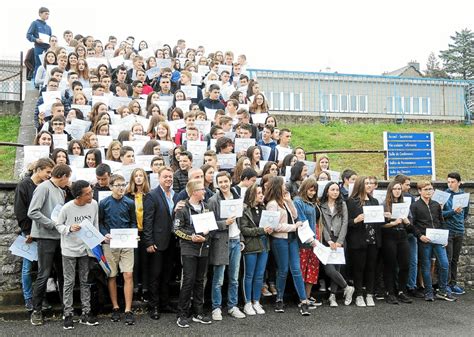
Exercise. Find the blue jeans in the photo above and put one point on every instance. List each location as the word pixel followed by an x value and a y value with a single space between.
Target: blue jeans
pixel 412 262
pixel 26 280
pixel 287 256
pixel 37 51
pixel 233 272
pixel 427 249
pixel 254 269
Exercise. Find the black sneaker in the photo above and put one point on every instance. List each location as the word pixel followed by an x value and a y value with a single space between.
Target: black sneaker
pixel 129 318
pixel 446 297
pixel 279 306
pixel 416 293
pixel 379 296
pixel 45 305
pixel 429 297
pixel 29 304
pixel 402 297
pixel 182 322
pixel 115 315
pixel 36 318
pixel 154 313
pixel 88 319
pixel 68 323
pixel 200 318
pixel 304 309
pixel 391 299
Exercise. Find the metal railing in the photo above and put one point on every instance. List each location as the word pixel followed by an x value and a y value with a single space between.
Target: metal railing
pixel 369 96
pixel 11 79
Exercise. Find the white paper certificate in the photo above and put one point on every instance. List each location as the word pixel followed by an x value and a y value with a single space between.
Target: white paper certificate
pixel 461 200
pixel 328 256
pixel 438 236
pixel 226 160
pixel 230 208
pixel 305 233
pixel 204 222
pixel 440 197
pixel 269 219
pixel 124 238
pixel 243 144
pixel 373 214
pixel 380 195
pixel 400 210
pixel 20 248
pixel 259 118
pixel 89 234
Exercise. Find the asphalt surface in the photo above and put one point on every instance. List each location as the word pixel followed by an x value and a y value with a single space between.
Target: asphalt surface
pixel 421 318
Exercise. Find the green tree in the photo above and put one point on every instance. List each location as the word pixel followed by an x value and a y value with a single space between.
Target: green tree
pixel 458 60
pixel 433 69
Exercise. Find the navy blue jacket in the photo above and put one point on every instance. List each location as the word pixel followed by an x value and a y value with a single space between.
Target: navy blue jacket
pixel 36 27
pixel 157 219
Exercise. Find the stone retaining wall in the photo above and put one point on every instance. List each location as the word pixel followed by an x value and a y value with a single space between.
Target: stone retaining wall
pixel 10 272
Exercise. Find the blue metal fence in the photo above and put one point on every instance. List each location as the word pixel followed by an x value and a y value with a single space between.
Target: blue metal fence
pixel 333 94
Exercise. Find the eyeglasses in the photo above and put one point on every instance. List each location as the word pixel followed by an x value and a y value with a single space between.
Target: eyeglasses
pixel 58 123
pixel 427 189
pixel 120 185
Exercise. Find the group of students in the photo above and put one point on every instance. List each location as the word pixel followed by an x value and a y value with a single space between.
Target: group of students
pixel 161 199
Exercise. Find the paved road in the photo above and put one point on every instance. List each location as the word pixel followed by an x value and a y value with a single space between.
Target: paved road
pixel 420 319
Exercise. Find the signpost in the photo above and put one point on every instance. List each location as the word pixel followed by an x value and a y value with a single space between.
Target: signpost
pixel 411 154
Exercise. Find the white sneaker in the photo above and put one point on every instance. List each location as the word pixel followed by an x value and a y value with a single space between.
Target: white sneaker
pixel 348 292
pixel 249 310
pixel 258 308
pixel 360 301
pixel 217 314
pixel 332 300
pixel 236 313
pixel 370 301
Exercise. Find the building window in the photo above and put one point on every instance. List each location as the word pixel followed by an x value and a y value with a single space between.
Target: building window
pixel 362 103
pixel 325 103
pixel 409 105
pixel 416 105
pixel 334 103
pixel 344 103
pixel 353 102
pixel 286 101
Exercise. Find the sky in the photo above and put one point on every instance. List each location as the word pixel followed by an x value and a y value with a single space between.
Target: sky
pixel 354 37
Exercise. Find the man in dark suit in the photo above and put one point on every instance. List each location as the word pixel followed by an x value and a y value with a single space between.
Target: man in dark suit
pixel 157 225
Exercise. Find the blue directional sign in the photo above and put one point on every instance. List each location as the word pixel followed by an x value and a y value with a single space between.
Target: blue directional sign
pixel 411 154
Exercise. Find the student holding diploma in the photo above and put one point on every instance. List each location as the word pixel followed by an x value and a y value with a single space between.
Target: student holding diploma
pixel 46 197
pixel 427 213
pixel 454 220
pixel 257 246
pixel 23 195
pixel 395 248
pixel 194 255
pixel 74 251
pixel 363 240
pixel 118 212
pixel 334 218
pixel 285 243
pixel 226 245
pixel 308 210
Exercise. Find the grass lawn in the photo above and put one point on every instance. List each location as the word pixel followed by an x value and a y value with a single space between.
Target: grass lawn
pixel 454 145
pixel 9 126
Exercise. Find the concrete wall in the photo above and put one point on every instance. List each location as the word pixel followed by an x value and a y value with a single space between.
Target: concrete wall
pixel 10 272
